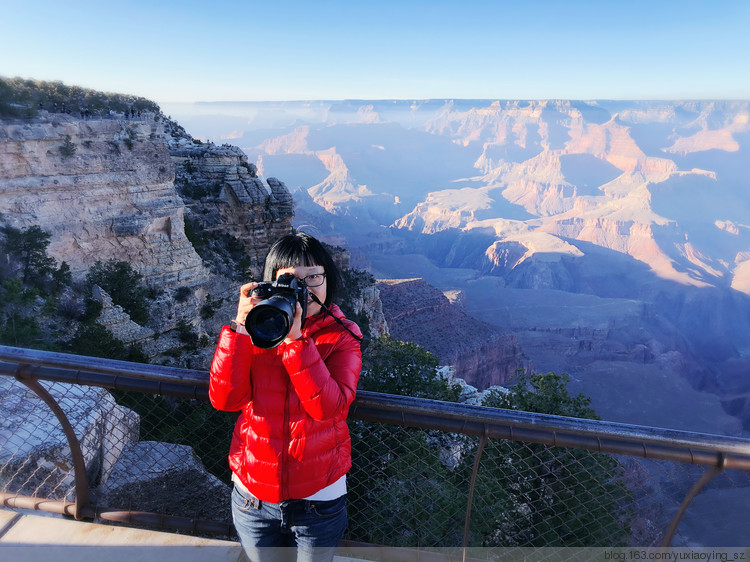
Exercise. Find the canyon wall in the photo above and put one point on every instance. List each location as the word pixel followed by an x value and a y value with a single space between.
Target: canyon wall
pixel 224 196
pixel 114 189
pixel 103 188
pixel 417 312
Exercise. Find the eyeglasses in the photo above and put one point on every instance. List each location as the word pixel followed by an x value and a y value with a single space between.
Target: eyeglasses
pixel 314 280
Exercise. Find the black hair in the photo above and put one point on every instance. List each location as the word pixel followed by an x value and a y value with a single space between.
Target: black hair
pixel 301 249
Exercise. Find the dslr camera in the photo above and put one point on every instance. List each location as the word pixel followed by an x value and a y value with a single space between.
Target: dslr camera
pixel 270 321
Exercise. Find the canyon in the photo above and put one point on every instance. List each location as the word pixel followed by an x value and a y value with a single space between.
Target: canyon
pixel 114 194
pixel 482 355
pixel 607 240
pixel 610 238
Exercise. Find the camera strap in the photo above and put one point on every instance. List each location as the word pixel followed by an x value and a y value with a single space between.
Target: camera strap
pixel 338 320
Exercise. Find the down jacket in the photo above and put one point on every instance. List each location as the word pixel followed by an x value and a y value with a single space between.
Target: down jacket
pixel 291 438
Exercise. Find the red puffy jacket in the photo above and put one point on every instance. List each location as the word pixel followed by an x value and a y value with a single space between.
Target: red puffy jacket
pixel 291 439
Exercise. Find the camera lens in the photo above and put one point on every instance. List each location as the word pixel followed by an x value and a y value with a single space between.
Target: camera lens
pixel 269 322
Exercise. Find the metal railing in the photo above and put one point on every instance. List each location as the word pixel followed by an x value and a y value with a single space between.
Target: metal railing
pixel 426 473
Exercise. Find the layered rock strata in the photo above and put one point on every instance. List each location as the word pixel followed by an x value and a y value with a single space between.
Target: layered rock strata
pixel 417 312
pixel 103 188
pixel 225 196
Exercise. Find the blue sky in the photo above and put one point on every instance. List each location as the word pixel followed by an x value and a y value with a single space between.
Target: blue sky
pixel 172 51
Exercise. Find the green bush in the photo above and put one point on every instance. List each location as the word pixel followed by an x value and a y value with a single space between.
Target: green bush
pixel 395 367
pixel 403 467
pixel 23 98
pixel 553 496
pixel 18 324
pixel 187 336
pixel 182 294
pixel 95 340
pixel 209 308
pixel 124 285
pixel 28 249
pixel 413 485
pixel 68 147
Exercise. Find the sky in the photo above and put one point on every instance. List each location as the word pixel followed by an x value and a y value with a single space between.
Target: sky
pixel 220 50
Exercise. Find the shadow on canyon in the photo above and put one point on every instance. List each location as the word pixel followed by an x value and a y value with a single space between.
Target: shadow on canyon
pixel 647 350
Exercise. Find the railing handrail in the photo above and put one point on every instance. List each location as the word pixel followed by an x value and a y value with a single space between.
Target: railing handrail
pixel 100 365
pixel 511 424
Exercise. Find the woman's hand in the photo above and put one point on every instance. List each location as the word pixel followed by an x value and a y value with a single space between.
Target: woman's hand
pixel 295 332
pixel 247 302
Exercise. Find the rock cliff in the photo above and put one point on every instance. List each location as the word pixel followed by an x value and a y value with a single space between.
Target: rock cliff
pixel 417 312
pixel 103 188
pixel 117 188
pixel 225 197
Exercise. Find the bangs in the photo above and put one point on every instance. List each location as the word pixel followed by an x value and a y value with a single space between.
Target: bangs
pixel 292 251
pixel 301 249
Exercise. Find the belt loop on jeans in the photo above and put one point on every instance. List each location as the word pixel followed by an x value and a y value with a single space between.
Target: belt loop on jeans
pixel 248 498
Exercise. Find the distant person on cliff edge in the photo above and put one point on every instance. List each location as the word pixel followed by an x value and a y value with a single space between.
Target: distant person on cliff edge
pixel 291 448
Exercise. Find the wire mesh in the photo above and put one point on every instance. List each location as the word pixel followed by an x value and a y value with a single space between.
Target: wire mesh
pixel 407 487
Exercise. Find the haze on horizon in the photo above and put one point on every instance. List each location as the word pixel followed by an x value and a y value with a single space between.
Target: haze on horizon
pixel 250 51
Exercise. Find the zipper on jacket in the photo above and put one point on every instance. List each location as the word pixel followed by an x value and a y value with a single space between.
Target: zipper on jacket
pixel 285 448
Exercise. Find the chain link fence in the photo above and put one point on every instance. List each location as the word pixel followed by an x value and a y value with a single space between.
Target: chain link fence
pixel 150 453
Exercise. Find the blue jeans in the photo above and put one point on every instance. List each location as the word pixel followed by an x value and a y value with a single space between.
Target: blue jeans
pixel 268 530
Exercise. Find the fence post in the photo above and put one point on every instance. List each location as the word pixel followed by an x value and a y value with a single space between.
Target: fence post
pixel 472 485
pixel 79 464
pixel 707 476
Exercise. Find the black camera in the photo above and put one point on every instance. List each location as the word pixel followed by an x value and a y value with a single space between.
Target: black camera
pixel 269 322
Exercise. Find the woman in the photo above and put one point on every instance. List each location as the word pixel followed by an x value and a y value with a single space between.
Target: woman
pixel 291 448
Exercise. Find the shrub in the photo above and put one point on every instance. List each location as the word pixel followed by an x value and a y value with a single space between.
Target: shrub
pixel 397 367
pixel 182 294
pixel 62 276
pixel 95 340
pixel 413 491
pixel 68 147
pixel 553 496
pixel 28 248
pixel 187 336
pixel 20 97
pixel 403 465
pixel 208 310
pixel 123 284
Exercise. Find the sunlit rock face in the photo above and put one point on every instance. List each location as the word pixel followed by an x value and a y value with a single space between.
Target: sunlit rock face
pixel 661 182
pixel 102 189
pixel 223 194
pixel 113 189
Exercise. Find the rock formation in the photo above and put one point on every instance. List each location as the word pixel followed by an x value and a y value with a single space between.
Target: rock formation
pixel 419 313
pixel 34 453
pixel 225 196
pixel 118 322
pixel 369 304
pixel 165 478
pixel 103 188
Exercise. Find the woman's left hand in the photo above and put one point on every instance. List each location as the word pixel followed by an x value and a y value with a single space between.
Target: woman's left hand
pixel 295 332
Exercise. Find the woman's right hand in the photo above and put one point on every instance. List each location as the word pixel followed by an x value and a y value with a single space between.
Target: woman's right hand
pixel 247 302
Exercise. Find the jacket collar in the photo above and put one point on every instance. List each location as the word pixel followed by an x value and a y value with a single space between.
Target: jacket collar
pixel 322 319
